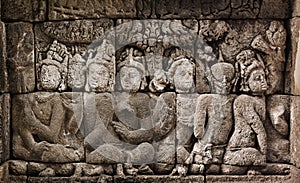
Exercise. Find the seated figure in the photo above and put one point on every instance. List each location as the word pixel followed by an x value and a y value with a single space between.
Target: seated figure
pixel 247 145
pixel 213 120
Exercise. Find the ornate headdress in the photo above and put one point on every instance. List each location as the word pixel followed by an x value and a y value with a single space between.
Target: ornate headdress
pixel 247 61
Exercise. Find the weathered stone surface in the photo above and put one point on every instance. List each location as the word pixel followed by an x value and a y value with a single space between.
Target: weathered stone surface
pixel 17 167
pixel 159 179
pixel 277 128
pixel 3 56
pixel 278 9
pixel 59 10
pixel 145 9
pixel 138 119
pixel 295 132
pixel 156 45
pixel 106 179
pixel 16 179
pixel 292 82
pixel 64 54
pixel 226 9
pixel 46 127
pixel 5 133
pixel 24 10
pixel 295 6
pixel 20 57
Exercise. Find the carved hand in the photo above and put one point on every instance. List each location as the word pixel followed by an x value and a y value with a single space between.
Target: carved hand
pixel 121 129
pixel 40 147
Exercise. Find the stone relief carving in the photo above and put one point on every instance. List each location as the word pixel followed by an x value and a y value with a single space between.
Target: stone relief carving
pixel 153 108
pixel 52 71
pixel 46 128
pixel 248 144
pixel 275 54
pixel 91 9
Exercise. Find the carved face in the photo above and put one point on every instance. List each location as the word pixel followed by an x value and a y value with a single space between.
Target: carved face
pixel 183 77
pixel 76 76
pixel 257 82
pixel 50 77
pixel 98 76
pixel 130 79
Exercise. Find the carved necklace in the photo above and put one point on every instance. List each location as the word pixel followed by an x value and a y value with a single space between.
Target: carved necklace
pixel 43 99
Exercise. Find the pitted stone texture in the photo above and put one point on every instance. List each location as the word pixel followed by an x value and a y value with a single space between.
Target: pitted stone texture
pixel 106 179
pixel 155 36
pixel 3 56
pixel 295 132
pixel 59 10
pixel 160 179
pixel 236 9
pixel 185 112
pixel 71 47
pixel 46 127
pixel 295 6
pixel 5 127
pixel 20 57
pixel 24 10
pixel 145 9
pixel 292 82
pixel 277 128
pixel 16 179
pixel 223 41
pixel 277 9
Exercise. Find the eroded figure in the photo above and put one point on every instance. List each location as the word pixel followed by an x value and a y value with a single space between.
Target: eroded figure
pixel 46 129
pixel 127 120
pixel 76 72
pixel 52 71
pixel 213 121
pixel 274 48
pixel 247 145
pixel 181 76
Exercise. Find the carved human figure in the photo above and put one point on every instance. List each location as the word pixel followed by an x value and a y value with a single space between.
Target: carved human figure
pixel 274 48
pixel 181 77
pixel 247 145
pixel 213 120
pixel 181 74
pixel 100 69
pixel 76 72
pixel 52 70
pixel 127 125
pixel 41 130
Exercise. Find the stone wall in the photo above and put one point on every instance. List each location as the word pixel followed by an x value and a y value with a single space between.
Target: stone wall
pixel 150 91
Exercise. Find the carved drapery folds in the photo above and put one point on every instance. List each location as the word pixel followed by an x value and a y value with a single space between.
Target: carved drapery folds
pixel 161 99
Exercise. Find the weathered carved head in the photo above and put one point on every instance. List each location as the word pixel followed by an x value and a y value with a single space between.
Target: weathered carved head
pixel 252 73
pixel 222 77
pixel 76 74
pixel 100 69
pixel 181 74
pixel 50 76
pixel 131 74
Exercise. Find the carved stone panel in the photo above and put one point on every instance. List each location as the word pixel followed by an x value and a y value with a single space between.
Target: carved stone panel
pixel 292 83
pixel 226 9
pixel 25 10
pixel 59 10
pixel 5 127
pixel 223 41
pixel 20 57
pixel 131 126
pixel 71 52
pixel 295 6
pixel 295 133
pixel 46 127
pixel 277 128
pixel 3 56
